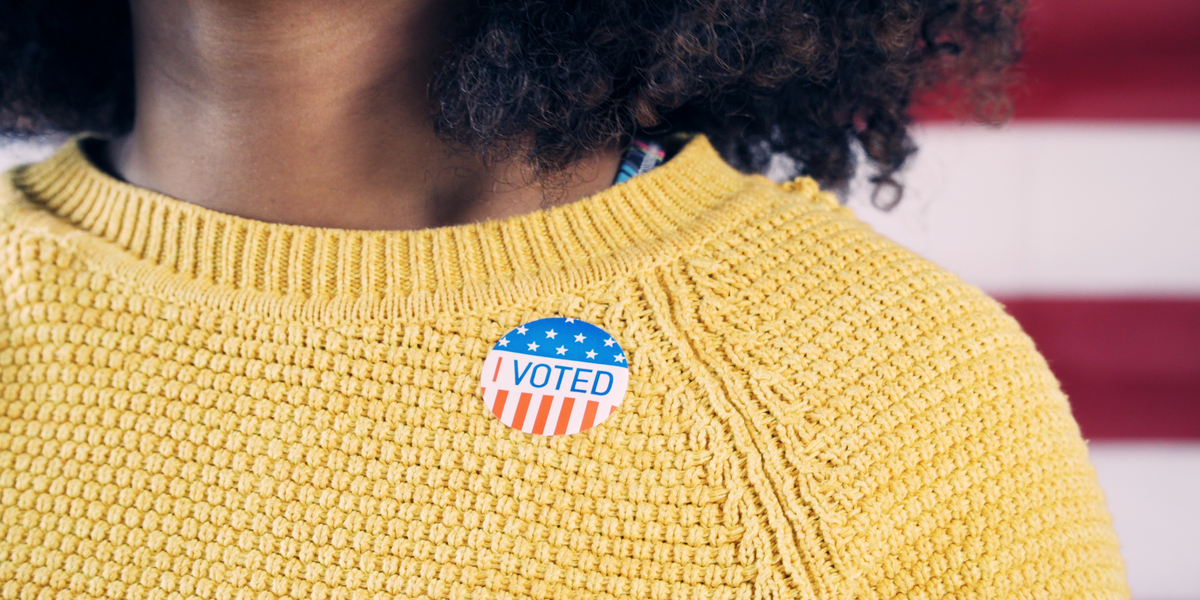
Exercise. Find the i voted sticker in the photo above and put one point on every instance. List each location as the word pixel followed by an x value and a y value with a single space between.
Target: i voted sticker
pixel 554 376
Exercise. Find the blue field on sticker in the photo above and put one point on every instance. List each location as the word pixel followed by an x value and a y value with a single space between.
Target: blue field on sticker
pixel 564 339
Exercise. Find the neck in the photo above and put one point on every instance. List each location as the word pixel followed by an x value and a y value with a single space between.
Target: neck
pixel 313 113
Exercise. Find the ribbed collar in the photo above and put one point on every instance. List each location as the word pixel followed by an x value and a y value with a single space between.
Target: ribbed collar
pixel 601 235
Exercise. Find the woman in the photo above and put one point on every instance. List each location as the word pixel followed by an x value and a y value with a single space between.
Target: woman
pixel 264 317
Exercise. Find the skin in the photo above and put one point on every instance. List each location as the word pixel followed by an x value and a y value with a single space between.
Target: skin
pixel 311 112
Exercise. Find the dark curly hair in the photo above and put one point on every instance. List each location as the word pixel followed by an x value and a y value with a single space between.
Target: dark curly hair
pixel 554 79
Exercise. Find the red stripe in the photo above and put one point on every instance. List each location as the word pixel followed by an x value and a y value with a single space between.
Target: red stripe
pixel 1131 368
pixel 564 416
pixel 589 416
pixel 522 408
pixel 539 425
pixel 1109 59
pixel 498 405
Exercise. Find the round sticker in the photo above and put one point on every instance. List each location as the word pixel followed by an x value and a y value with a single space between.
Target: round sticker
pixel 554 376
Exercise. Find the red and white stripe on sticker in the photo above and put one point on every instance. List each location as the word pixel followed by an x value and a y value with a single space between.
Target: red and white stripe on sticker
pixel 554 376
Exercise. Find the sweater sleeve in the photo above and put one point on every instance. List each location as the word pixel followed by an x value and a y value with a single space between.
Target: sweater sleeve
pixel 961 472
pixel 922 441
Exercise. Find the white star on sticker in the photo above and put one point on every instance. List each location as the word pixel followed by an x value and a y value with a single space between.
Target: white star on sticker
pixel 561 349
pixel 619 358
pixel 591 354
pixel 550 334
pixel 579 338
pixel 570 320
pixel 522 329
pixel 533 346
pixel 609 342
pixel 503 342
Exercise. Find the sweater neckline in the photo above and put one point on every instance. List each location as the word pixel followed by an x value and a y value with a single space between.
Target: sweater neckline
pixel 592 238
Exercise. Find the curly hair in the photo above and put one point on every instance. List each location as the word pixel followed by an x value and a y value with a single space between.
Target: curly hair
pixel 808 80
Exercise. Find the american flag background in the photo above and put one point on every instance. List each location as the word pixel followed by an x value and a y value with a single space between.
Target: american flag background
pixel 554 376
pixel 1082 215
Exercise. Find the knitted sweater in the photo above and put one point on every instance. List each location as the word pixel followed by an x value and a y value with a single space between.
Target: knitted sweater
pixel 197 405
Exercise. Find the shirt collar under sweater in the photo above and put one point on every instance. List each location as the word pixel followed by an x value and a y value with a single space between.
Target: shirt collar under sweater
pixel 653 217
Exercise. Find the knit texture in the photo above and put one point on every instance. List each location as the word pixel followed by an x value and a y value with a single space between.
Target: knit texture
pixel 196 405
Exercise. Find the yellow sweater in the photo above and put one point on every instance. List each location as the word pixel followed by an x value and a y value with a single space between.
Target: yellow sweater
pixel 195 405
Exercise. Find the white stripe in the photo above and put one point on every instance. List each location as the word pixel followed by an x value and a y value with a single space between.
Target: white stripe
pixel 1153 492
pixel 552 418
pixel 1053 209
